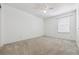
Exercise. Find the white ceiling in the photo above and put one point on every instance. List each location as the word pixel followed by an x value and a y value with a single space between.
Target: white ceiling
pixel 38 8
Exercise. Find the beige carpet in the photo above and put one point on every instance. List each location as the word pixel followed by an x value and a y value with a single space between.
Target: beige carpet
pixel 41 46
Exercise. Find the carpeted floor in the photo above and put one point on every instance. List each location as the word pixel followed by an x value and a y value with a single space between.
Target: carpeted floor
pixel 41 46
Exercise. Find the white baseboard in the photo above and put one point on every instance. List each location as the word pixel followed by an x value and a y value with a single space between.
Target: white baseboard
pixel 21 40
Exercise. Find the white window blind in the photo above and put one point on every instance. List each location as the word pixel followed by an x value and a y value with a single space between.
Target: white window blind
pixel 64 24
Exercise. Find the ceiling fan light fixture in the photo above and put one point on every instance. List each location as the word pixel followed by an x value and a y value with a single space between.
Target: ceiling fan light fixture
pixel 45 11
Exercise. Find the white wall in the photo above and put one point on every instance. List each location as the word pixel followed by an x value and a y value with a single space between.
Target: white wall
pixel 0 26
pixel 19 25
pixel 77 17
pixel 52 30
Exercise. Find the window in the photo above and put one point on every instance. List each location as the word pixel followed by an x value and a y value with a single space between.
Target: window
pixel 64 24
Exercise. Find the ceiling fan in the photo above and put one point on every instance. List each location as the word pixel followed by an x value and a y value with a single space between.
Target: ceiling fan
pixel 42 7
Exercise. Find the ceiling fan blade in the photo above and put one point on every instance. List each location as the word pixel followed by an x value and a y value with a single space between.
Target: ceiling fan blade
pixel 0 5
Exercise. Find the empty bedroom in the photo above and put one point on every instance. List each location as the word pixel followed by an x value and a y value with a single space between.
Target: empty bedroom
pixel 39 29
